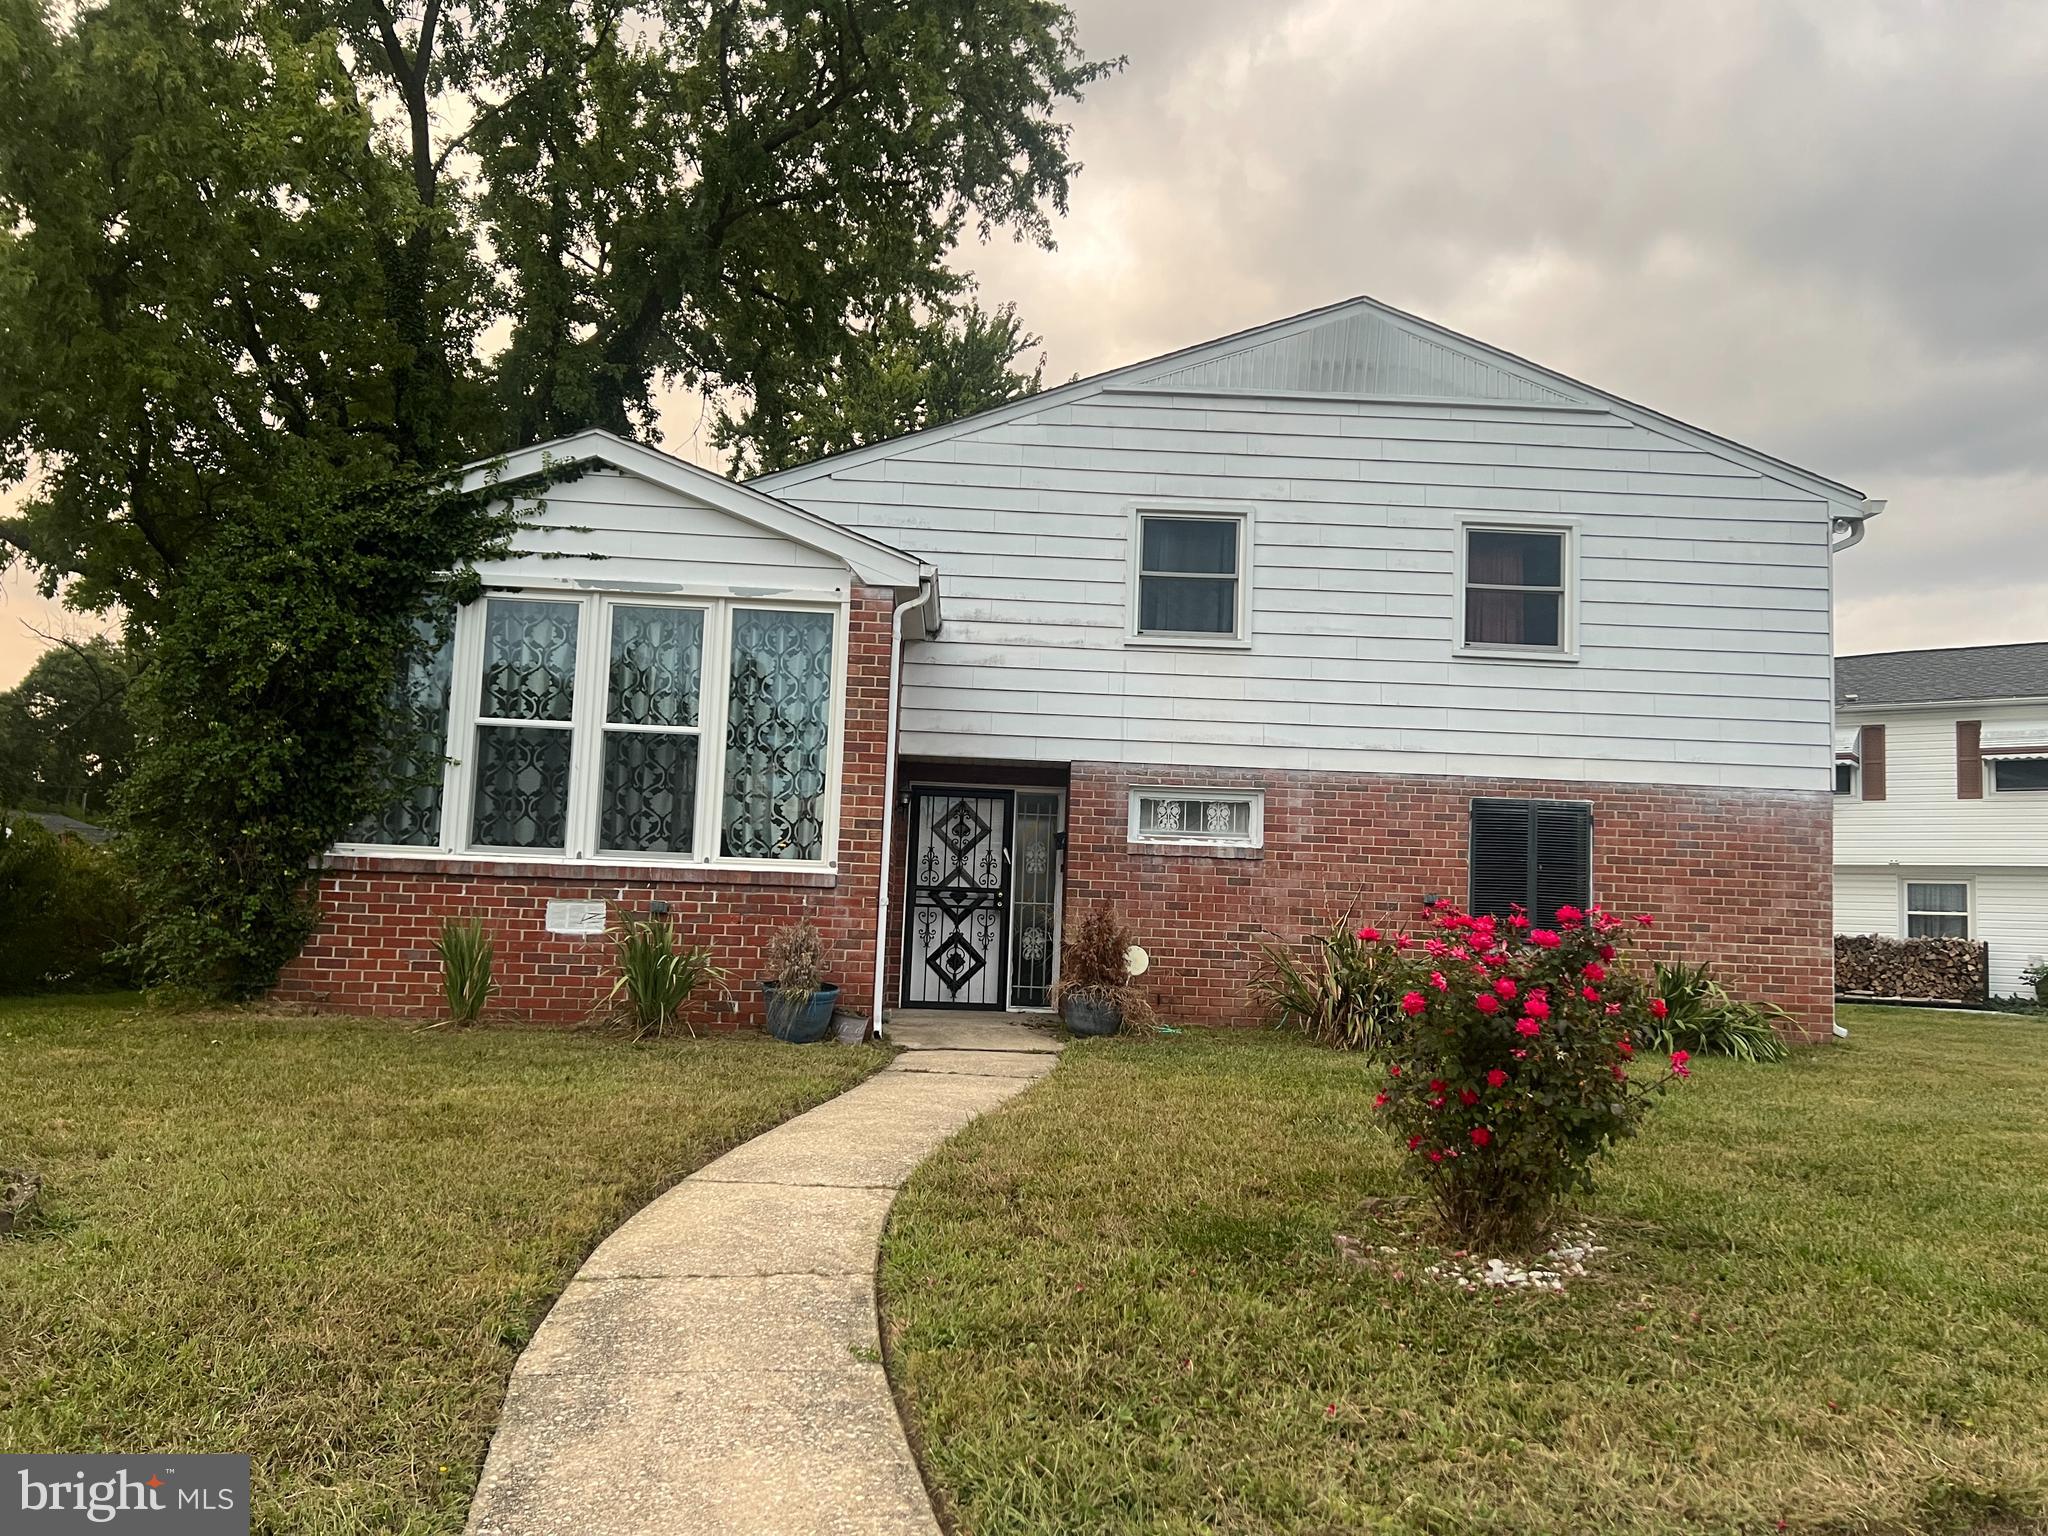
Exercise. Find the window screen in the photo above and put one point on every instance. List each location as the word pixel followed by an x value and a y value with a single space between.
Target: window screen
pixel 1536 854
pixel 1188 575
pixel 1514 589
pixel 2019 773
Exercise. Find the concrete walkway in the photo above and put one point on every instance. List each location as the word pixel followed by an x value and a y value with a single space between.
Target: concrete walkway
pixel 715 1366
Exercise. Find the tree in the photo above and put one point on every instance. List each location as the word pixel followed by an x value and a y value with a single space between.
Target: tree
pixel 65 737
pixel 243 242
pixel 899 373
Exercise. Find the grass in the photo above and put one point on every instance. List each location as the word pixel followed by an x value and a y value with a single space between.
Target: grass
pixel 324 1242
pixel 1115 1306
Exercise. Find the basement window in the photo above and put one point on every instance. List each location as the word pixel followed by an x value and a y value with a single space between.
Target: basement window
pixel 1198 817
pixel 1937 909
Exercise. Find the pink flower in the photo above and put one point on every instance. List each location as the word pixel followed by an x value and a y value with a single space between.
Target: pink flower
pixel 1496 1078
pixel 1543 938
pixel 1486 1002
pixel 1613 1009
pixel 1370 935
pixel 1590 994
pixel 1627 1047
pixel 1437 1102
pixel 1467 1097
pixel 1645 919
pixel 1518 921
pixel 1505 986
pixel 1608 951
pixel 1680 1058
pixel 1681 1071
pixel 1620 1072
pixel 1659 1007
pixel 1437 947
pixel 1481 1136
pixel 1527 1027
pixel 1402 941
pixel 1436 1085
pixel 1414 1142
pixel 1436 1157
pixel 1436 979
pixel 1379 1101
pixel 1413 1003
pixel 1518 1055
pixel 1570 915
pixel 1594 971
pixel 1536 1006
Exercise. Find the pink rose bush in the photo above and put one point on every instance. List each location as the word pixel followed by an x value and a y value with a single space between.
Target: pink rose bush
pixel 1506 1061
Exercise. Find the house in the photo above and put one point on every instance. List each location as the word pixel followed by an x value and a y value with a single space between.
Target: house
pixel 1314 622
pixel 1941 800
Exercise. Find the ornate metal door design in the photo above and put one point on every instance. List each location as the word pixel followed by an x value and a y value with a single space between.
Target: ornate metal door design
pixel 957 918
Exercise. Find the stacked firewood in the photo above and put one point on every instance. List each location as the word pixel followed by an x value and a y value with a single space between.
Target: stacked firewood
pixel 1926 970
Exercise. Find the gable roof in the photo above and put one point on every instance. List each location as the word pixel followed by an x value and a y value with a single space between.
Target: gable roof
pixel 1358 348
pixel 1953 673
pixel 869 559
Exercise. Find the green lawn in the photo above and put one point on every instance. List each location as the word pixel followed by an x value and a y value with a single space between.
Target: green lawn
pixel 324 1242
pixel 1115 1306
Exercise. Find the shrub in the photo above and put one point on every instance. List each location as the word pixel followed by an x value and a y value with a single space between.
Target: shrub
pixel 1701 1016
pixel 67 915
pixel 1095 964
pixel 796 962
pixel 656 977
pixel 1338 996
pixel 466 954
pixel 1510 1063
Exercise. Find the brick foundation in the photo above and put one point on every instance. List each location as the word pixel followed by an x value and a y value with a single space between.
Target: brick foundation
pixel 373 952
pixel 1741 878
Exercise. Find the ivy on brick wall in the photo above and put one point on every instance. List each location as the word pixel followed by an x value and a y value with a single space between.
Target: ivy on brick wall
pixel 267 700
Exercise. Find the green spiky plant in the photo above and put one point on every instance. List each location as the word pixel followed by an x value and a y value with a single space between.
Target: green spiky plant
pixel 1703 1017
pixel 657 977
pixel 466 953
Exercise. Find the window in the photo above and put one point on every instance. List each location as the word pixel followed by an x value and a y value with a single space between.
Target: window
pixel 1845 778
pixel 1190 577
pixel 1517 590
pixel 416 758
pixel 2009 774
pixel 1937 909
pixel 1198 817
pixel 1532 854
pixel 621 727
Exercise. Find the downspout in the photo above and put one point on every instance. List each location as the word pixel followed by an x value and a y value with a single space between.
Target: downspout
pixel 927 589
pixel 1853 526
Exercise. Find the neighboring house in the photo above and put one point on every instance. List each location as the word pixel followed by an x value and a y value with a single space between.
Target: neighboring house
pixel 1941 800
pixel 69 826
pixel 1314 622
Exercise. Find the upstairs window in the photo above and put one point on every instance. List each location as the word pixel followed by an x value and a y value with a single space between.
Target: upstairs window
pixel 1190 577
pixel 1937 909
pixel 1845 778
pixel 1532 854
pixel 1517 590
pixel 2009 774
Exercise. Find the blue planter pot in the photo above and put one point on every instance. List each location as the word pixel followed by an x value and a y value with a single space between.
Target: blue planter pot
pixel 801 1024
pixel 1091 1016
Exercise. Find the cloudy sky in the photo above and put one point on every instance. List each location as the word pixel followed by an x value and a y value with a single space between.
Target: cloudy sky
pixel 1819 229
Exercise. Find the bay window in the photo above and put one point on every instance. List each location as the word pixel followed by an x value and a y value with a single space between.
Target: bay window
pixel 625 728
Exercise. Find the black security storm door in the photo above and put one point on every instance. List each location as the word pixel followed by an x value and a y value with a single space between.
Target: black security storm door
pixel 1537 854
pixel 957 918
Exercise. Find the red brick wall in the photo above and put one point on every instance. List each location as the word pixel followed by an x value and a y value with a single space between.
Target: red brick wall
pixel 1741 878
pixel 373 952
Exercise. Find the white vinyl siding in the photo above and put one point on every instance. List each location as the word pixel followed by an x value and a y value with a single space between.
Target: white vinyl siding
pixel 1921 823
pixel 1702 592
pixel 2008 912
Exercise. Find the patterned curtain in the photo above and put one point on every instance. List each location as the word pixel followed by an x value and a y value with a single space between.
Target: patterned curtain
pixel 522 771
pixel 415 757
pixel 778 727
pixel 649 789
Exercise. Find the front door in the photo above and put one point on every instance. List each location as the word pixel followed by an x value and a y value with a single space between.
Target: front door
pixel 957 920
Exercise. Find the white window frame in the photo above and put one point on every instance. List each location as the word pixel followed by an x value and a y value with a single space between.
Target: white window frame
pixel 1240 637
pixel 1564 528
pixel 1855 779
pixel 588 724
pixel 1256 798
pixel 1907 911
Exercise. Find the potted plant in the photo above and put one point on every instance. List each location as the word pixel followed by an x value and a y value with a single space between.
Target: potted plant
pixel 1095 995
pixel 799 1001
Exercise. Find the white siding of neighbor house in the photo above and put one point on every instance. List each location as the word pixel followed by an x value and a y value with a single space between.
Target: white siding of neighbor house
pixel 2008 911
pixel 617 531
pixel 1921 821
pixel 1704 637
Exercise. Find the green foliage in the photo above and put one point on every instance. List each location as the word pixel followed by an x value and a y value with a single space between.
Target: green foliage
pixel 901 373
pixel 1338 996
pixel 467 954
pixel 266 703
pixel 796 963
pixel 66 913
pixel 1508 1059
pixel 65 739
pixel 1702 1017
pixel 657 977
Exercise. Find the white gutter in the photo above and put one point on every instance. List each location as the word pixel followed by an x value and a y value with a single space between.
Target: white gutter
pixel 927 589
pixel 1853 525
